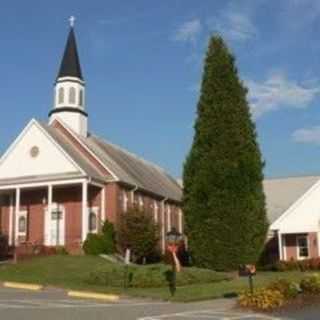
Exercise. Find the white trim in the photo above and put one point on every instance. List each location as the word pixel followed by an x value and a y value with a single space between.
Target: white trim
pixel 318 242
pixel 17 209
pixel 87 149
pixel 42 184
pixel 155 211
pixel 284 246
pixel 25 130
pixel 48 225
pixel 140 201
pixel 103 205
pixel 24 214
pixel 305 236
pixel 94 210
pixel 125 201
pixel 70 79
pixel 180 226
pixel 47 218
pixel 163 231
pixel 275 224
pixel 280 247
pixel 168 217
pixel 84 211
pixel 11 221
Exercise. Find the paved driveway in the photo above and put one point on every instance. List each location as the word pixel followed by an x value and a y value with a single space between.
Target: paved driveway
pixel 54 304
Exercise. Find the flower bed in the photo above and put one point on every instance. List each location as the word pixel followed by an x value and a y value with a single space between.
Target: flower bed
pixel 282 293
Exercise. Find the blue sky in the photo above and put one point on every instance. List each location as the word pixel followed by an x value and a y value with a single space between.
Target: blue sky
pixel 142 61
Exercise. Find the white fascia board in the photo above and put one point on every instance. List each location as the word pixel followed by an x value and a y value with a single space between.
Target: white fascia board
pixel 43 183
pixel 276 225
pixel 17 139
pixel 25 130
pixel 59 147
pixel 84 146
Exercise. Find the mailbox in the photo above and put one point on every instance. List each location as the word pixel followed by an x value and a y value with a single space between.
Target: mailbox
pixel 246 270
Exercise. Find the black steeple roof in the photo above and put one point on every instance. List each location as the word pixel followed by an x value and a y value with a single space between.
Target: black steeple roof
pixel 70 64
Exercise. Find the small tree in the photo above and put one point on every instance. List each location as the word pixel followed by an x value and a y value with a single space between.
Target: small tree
pixel 138 231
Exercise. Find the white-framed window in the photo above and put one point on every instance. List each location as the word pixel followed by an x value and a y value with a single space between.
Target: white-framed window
pixel 72 95
pixel 302 247
pixel 125 201
pixel 140 202
pixel 155 210
pixel 22 223
pixel 61 95
pixel 93 220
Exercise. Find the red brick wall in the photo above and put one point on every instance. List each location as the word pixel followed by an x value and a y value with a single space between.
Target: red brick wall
pixel 4 214
pixel 32 202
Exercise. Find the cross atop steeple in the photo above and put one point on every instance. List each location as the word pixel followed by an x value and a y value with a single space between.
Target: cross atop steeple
pixel 72 20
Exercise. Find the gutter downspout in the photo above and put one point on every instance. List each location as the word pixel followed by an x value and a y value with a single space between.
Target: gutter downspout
pixel 163 233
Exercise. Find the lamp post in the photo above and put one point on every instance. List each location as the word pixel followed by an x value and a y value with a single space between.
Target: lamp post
pixel 173 238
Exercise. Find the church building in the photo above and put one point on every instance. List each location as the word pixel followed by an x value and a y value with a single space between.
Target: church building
pixel 59 182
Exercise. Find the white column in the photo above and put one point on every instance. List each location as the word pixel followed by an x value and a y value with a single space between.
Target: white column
pixel 168 218
pixel 103 204
pixel 318 243
pixel 47 217
pixel 180 226
pixel 17 209
pixel 163 232
pixel 280 245
pixel 11 221
pixel 84 210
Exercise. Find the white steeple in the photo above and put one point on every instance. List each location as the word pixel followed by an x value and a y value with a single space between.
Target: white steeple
pixel 69 89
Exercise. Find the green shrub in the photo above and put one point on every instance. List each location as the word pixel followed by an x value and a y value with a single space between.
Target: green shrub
pixel 103 242
pixel 94 244
pixel 152 276
pixel 61 251
pixel 311 284
pixel 108 235
pixel 287 288
pixel 263 299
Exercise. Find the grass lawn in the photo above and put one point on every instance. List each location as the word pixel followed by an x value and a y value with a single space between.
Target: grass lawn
pixel 72 272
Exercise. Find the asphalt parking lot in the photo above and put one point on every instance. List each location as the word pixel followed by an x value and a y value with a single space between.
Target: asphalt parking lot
pixel 55 304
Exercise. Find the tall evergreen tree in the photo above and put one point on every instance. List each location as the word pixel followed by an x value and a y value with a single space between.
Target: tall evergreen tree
pixel 224 202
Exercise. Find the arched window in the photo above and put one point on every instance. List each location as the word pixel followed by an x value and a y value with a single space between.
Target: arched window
pixel 22 225
pixel 92 222
pixel 81 98
pixel 61 96
pixel 72 95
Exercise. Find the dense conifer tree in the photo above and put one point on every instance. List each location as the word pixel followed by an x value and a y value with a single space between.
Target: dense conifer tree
pixel 224 203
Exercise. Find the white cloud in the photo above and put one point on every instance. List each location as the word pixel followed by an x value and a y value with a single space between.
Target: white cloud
pixel 310 135
pixel 233 25
pixel 278 92
pixel 188 31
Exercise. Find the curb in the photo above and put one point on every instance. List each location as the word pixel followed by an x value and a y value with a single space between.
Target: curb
pixel 26 286
pixel 93 295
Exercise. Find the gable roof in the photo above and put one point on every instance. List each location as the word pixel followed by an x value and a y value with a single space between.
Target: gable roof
pixel 134 170
pixel 281 193
pixel 70 64
pixel 73 152
pixel 124 166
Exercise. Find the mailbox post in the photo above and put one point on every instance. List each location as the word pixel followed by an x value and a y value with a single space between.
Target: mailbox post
pixel 173 238
pixel 248 270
